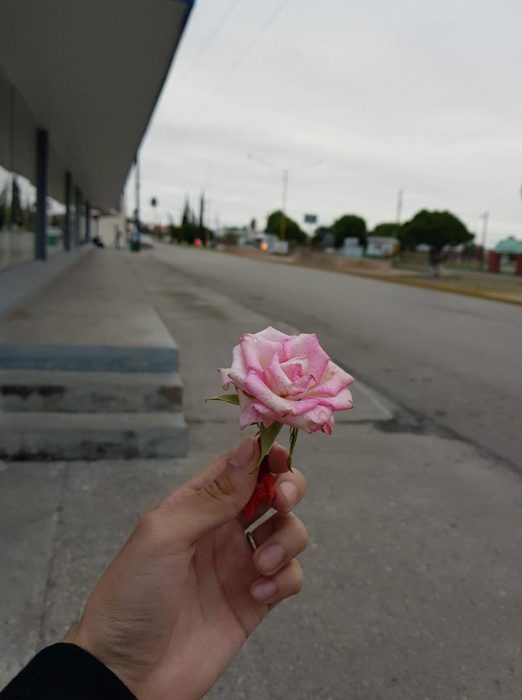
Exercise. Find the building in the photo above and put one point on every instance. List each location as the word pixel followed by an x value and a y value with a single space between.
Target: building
pixel 382 246
pixel 78 84
pixel 509 246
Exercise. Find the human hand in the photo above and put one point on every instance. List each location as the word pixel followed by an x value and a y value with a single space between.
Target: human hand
pixel 185 592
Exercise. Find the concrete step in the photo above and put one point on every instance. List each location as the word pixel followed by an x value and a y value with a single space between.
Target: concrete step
pixel 90 436
pixel 89 392
pixel 89 358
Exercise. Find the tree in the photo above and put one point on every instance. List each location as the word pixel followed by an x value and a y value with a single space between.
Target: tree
pixel 349 226
pixel 189 228
pixel 202 230
pixel 16 204
pixel 292 229
pixel 323 237
pixel 387 230
pixel 434 228
pixel 3 207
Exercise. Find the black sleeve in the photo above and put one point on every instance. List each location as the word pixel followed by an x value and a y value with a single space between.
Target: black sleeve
pixel 65 671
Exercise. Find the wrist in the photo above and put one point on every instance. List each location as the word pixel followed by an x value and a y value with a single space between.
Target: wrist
pixel 78 637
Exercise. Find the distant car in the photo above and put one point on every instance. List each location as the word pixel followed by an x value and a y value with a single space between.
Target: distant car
pixel 146 241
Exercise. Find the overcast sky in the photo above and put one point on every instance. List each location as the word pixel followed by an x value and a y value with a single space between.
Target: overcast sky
pixel 413 95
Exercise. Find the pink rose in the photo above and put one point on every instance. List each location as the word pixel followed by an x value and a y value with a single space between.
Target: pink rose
pixel 288 379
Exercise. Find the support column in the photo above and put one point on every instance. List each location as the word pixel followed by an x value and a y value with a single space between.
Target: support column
pixel 42 158
pixel 87 222
pixel 77 202
pixel 67 228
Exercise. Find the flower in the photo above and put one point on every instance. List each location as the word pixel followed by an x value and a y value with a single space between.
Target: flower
pixel 287 379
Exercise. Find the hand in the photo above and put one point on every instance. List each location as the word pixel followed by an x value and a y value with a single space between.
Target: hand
pixel 186 590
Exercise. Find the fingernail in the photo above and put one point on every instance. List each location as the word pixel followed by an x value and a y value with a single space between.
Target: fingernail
pixel 270 557
pixel 289 492
pixel 243 454
pixel 264 590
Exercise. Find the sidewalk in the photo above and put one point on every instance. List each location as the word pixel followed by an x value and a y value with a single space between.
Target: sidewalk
pixel 404 598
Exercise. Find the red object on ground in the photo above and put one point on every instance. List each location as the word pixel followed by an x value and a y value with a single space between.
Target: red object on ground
pixel 264 492
pixel 494 262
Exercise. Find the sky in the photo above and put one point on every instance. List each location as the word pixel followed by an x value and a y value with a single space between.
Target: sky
pixel 356 100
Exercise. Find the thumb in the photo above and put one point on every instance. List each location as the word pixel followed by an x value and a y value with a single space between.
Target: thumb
pixel 216 495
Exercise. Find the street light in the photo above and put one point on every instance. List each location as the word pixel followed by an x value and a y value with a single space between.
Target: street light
pixel 285 176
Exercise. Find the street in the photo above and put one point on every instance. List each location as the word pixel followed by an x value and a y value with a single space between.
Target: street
pixel 412 575
pixel 453 362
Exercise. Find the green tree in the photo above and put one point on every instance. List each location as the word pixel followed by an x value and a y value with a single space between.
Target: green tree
pixel 349 226
pixel 187 218
pixel 434 228
pixel 16 204
pixel 3 207
pixel 387 230
pixel 292 230
pixel 189 227
pixel 321 236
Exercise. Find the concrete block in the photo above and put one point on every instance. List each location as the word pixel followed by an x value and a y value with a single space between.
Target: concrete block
pixel 89 392
pixel 90 436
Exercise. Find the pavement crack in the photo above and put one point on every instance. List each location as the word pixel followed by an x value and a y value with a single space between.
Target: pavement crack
pixel 40 641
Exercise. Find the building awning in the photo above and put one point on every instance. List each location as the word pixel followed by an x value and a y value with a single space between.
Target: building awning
pixel 91 73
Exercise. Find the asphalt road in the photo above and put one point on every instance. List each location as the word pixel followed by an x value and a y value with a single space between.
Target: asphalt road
pixel 453 362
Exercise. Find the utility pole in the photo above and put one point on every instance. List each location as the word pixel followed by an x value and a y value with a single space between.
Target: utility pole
pixel 285 172
pixel 282 220
pixel 137 196
pixel 202 218
pixel 485 218
pixel 399 206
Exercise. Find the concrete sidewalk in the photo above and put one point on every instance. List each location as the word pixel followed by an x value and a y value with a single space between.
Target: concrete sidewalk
pixel 413 572
pixel 88 370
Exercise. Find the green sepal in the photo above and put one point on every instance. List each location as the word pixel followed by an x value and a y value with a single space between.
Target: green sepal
pixel 227 398
pixel 267 437
pixel 294 432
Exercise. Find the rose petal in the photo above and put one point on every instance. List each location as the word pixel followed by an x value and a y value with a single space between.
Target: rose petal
pixel 311 421
pixel 334 380
pixel 277 380
pixel 238 367
pixel 280 406
pixel 342 402
pixel 247 410
pixel 258 354
pixel 307 345
pixel 272 334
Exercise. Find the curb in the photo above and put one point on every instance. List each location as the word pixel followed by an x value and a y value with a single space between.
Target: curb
pixel 448 288
pixel 423 284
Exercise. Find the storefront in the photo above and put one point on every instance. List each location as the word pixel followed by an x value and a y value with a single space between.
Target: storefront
pixel 78 85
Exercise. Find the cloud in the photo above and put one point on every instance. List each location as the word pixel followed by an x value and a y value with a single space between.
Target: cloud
pixel 388 96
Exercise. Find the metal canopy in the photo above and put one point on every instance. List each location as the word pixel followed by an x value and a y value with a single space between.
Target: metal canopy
pixel 91 73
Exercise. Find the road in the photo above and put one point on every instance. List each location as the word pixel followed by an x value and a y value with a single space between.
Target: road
pixel 453 362
pixel 412 574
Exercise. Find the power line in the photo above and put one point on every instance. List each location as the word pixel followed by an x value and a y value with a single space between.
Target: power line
pixel 234 68
pixel 248 49
pixel 479 132
pixel 211 37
